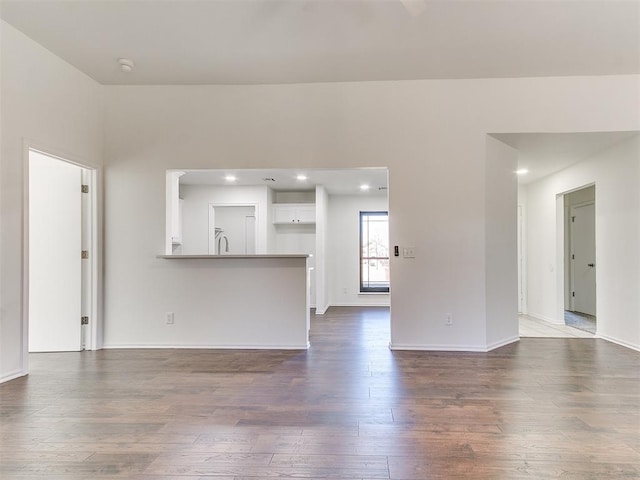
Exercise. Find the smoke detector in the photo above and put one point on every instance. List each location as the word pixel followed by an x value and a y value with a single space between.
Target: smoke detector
pixel 126 65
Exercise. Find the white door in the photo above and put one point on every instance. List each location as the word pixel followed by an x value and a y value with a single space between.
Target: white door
pixel 55 269
pixel 211 231
pixel 583 258
pixel 250 235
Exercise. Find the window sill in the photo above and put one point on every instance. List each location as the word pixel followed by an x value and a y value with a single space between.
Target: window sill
pixel 373 293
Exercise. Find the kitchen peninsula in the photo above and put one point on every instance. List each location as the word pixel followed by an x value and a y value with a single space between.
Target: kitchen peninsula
pixel 253 301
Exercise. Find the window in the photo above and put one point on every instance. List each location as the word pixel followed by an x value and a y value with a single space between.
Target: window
pixel 374 251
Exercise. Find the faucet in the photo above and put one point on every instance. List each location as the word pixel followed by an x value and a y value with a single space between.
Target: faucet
pixel 219 235
pixel 226 243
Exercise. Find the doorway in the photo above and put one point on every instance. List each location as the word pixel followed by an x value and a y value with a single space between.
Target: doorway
pixel 61 266
pixel 232 229
pixel 580 259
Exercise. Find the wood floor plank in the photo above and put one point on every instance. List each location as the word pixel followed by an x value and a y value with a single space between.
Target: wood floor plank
pixel 348 408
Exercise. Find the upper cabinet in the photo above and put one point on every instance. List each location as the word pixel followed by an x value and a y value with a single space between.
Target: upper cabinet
pixel 294 213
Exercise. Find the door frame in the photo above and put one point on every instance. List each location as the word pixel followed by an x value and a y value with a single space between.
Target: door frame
pixel 562 251
pixel 211 223
pixel 93 285
pixel 572 274
pixel 522 263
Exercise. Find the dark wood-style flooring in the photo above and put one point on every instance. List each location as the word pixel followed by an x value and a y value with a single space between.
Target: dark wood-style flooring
pixel 348 408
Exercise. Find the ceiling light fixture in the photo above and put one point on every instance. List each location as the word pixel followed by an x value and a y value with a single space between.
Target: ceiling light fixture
pixel 301 177
pixel 522 171
pixel 230 178
pixel 126 65
pixel 364 187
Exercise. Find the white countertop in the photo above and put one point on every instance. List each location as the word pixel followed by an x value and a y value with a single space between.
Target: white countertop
pixel 233 256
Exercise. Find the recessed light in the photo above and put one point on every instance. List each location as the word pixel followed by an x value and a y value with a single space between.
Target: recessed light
pixel 301 177
pixel 522 171
pixel 364 187
pixel 230 178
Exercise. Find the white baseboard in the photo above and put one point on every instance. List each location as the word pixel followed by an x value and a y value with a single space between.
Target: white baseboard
pixel 361 304
pixel 207 347
pixel 454 348
pixel 322 310
pixel 12 375
pixel 438 348
pixel 502 343
pixel 537 316
pixel 617 341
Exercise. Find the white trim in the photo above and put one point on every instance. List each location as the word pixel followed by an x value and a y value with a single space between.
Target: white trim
pixel 322 310
pixel 454 348
pixel 12 376
pixel 617 341
pixel 538 316
pixel 502 343
pixel 386 303
pixel 233 256
pixel 438 348
pixel 207 347
pixel 522 259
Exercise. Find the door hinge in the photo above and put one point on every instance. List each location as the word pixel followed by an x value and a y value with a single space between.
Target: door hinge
pixel 85 188
pixel 573 257
pixel 84 320
pixel 85 254
pixel 573 219
pixel 573 294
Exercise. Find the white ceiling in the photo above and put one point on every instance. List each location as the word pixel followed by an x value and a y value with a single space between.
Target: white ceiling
pixel 337 181
pixel 300 41
pixel 546 153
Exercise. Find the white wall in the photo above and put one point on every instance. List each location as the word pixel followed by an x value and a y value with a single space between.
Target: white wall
pixel 195 213
pixel 500 244
pixel 431 135
pixel 343 248
pixel 616 174
pixel 49 105
pixel 242 306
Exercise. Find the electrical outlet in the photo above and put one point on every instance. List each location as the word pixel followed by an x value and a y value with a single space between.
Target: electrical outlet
pixel 448 320
pixel 345 290
pixel 169 318
pixel 409 252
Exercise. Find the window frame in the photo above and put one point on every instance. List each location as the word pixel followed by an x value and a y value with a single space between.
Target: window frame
pixel 361 258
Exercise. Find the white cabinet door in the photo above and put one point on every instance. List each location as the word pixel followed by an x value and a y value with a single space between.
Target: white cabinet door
pixel 284 214
pixel 306 214
pixel 294 214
